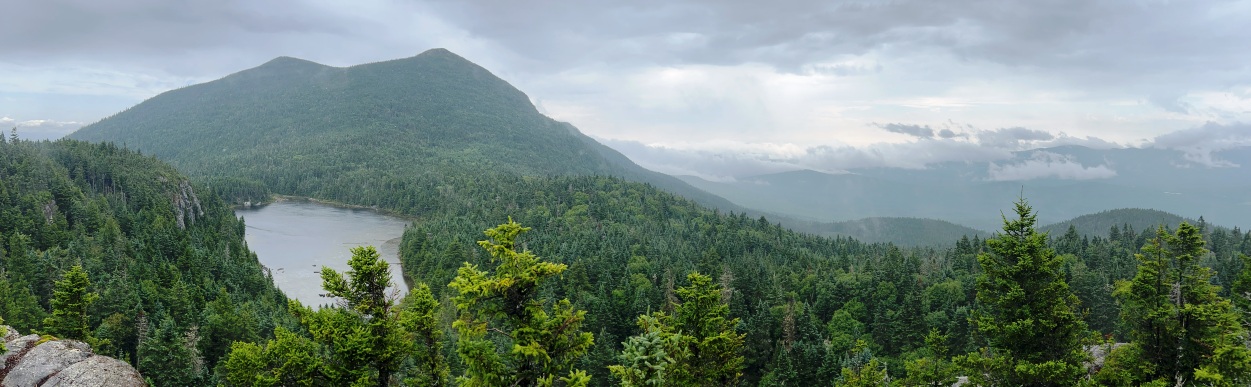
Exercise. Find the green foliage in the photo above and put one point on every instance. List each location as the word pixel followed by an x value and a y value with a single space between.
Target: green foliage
pixel 363 340
pixel 934 369
pixel 507 336
pixel 1026 312
pixel 70 300
pixel 288 360
pixel 1187 332
pixel 709 354
pixel 696 345
pixel 149 243
pixel 862 369
pixel 168 356
pixel 645 356
pixel 419 319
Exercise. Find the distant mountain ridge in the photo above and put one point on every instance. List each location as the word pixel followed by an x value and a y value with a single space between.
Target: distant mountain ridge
pixel 302 128
pixel 974 194
pixel 908 232
pixel 1098 224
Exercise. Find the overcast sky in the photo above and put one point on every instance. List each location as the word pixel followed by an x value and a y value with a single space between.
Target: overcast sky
pixel 715 88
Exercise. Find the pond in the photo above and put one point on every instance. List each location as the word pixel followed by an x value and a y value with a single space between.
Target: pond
pixel 294 239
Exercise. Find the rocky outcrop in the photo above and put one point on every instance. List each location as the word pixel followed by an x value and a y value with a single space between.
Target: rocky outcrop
pixel 33 361
pixel 186 205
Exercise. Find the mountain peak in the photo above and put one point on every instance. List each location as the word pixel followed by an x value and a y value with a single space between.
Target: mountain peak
pixel 286 62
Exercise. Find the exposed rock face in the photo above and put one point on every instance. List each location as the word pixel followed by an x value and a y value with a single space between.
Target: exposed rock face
pixel 60 363
pixel 186 205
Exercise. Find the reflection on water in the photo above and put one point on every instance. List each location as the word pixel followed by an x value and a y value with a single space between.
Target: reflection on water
pixel 294 239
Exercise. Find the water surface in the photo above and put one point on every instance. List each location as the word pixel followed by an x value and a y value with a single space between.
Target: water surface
pixel 294 239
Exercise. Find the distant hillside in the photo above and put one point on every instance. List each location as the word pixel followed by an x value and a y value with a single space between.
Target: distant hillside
pixel 965 193
pixel 358 133
pixel 1098 224
pixel 902 231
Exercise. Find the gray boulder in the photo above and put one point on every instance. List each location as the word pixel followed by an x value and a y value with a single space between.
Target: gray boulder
pixel 30 362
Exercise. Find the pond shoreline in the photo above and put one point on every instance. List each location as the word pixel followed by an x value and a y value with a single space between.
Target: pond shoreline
pixel 292 232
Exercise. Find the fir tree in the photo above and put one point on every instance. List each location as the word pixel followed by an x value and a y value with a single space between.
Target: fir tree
pixel 1184 332
pixel 1026 312
pixel 168 359
pixel 541 341
pixel 699 336
pixel 70 301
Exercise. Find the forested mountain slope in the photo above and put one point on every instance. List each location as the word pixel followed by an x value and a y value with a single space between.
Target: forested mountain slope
pixel 1098 224
pixel 360 133
pixel 175 280
pixel 900 231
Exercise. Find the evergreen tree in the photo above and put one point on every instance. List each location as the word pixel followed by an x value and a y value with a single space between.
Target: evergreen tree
pixel 70 301
pixel 935 369
pixel 167 358
pixel 503 307
pixel 700 336
pixel 419 319
pixel 1185 333
pixel 363 340
pixel 862 369
pixel 288 360
pixel 644 358
pixel 1025 311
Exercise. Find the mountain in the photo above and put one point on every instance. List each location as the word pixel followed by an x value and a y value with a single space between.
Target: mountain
pixel 1099 224
pixel 901 231
pixel 352 134
pixel 975 194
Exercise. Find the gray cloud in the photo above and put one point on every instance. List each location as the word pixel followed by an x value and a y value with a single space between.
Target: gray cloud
pixel 732 161
pixel 1013 137
pixel 1200 143
pixel 728 163
pixel 1044 165
pixel 1101 40
pixel 911 130
pixel 660 72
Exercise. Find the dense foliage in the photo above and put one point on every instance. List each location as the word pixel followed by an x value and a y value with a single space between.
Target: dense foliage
pixel 104 245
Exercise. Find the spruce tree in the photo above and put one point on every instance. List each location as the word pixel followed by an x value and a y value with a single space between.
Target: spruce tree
pixel 699 344
pixel 509 334
pixel 1026 312
pixel 1180 327
pixel 70 300
pixel 644 357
